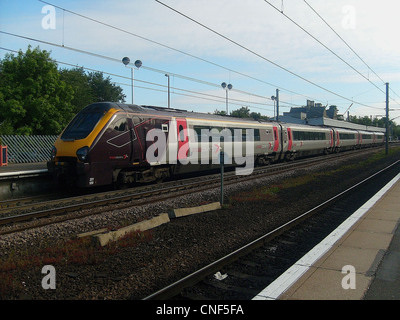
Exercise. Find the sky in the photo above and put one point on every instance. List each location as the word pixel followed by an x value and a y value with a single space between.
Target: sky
pixel 336 52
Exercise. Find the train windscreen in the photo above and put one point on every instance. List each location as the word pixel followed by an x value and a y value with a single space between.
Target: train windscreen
pixel 82 125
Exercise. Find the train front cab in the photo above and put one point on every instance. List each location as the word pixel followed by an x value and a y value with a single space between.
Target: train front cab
pixel 71 153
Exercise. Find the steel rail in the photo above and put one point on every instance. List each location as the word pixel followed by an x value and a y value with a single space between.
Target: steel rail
pixel 187 187
pixel 191 279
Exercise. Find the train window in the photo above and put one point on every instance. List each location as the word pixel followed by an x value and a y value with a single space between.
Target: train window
pixel 244 134
pixel 255 136
pixel 181 134
pixel 307 135
pixel 81 125
pixel 217 134
pixel 203 133
pixel 347 136
pixel 136 120
pixel 119 125
pixel 164 127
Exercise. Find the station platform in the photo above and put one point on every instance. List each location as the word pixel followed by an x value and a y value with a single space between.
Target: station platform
pixel 24 179
pixel 13 169
pixel 360 260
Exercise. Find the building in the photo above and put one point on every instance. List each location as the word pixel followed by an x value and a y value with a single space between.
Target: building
pixel 316 114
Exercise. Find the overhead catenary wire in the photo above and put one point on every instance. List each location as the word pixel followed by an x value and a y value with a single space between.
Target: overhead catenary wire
pixel 334 31
pixel 221 99
pixel 143 67
pixel 169 47
pixel 345 42
pixel 197 57
pixel 208 97
pixel 176 50
pixel 262 57
pixel 322 44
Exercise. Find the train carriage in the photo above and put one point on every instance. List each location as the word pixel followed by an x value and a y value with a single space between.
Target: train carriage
pixel 309 140
pixel 111 143
pixel 209 135
pixel 345 139
pixel 366 139
pixel 379 138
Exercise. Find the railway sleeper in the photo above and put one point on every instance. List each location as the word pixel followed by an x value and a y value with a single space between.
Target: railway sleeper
pixel 249 277
pixel 231 288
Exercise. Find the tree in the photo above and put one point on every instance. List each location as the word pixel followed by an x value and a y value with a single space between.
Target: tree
pixel 256 115
pixel 37 98
pixel 220 113
pixel 103 89
pixel 82 91
pixel 89 88
pixel 243 112
pixel 33 98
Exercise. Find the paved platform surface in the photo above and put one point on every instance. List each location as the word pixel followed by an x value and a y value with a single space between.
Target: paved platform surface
pixel 15 168
pixel 363 263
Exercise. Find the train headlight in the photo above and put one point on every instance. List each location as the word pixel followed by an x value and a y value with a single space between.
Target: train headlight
pixel 82 153
pixel 53 153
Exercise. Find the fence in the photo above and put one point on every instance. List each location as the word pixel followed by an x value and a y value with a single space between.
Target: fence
pixel 27 149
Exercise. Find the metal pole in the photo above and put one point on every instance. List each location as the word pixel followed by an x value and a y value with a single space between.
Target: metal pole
pixel 277 104
pixel 274 109
pixel 169 95
pixel 387 118
pixel 169 101
pixel 221 160
pixel 132 82
pixel 226 90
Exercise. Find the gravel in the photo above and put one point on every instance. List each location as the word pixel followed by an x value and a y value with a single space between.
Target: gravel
pixel 170 251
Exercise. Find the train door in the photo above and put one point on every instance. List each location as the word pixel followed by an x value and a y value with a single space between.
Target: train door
pixel 118 140
pixel 331 132
pixel 338 141
pixel 276 139
pixel 183 139
pixel 290 139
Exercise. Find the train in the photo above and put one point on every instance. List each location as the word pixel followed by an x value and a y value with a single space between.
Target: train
pixel 110 143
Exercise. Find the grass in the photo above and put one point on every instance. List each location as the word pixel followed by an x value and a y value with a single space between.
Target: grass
pixel 272 193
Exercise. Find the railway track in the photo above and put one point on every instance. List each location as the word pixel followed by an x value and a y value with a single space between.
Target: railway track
pixel 246 271
pixel 14 214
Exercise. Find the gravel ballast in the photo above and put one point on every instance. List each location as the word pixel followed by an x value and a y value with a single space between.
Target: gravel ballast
pixel 160 256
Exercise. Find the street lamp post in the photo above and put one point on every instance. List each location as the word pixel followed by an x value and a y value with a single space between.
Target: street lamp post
pixel 169 99
pixel 273 99
pixel 226 87
pixel 138 64
pixel 387 119
pixel 276 98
